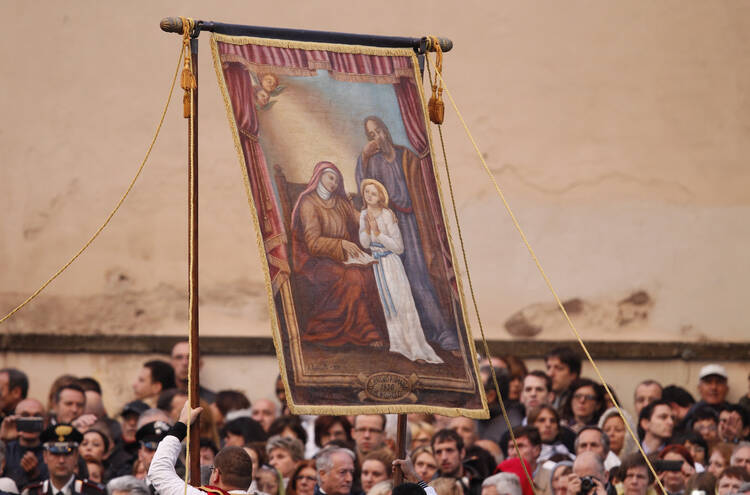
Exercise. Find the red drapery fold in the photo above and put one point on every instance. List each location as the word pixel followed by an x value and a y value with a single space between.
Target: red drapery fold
pixel 384 69
pixel 241 94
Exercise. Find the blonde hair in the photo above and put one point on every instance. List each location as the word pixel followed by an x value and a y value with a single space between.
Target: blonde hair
pixel 447 486
pixel 379 187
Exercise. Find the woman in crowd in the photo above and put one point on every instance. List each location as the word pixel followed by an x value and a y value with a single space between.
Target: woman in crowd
pixel 676 481
pixel 421 434
pixel 517 370
pixel 329 428
pixel 377 466
pixel 585 404
pixel 559 477
pixel 268 480
pixel 94 450
pixel 556 439
pixel 721 453
pixel 303 479
pixel 288 426
pixel 697 447
pixel 620 441
pixel 424 463
pixel 285 454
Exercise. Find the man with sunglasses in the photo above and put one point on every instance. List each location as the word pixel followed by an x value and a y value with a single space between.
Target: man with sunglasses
pixel 61 457
pixel 148 437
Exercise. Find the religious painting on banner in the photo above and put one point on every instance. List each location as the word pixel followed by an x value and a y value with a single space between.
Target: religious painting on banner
pixel 366 309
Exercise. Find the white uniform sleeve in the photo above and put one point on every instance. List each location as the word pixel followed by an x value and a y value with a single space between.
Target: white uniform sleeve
pixel 162 475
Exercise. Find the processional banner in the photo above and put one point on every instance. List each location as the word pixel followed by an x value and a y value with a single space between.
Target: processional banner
pixel 366 309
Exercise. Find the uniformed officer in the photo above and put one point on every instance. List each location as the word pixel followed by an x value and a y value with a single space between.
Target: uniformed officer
pixel 148 437
pixel 61 457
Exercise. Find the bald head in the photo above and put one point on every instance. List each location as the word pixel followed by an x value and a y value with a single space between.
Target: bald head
pixel 94 404
pixel 29 407
pixel 264 412
pixel 590 464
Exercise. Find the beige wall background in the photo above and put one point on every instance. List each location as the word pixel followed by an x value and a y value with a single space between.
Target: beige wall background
pixel 617 130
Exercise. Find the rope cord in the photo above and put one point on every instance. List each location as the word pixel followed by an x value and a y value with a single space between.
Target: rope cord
pixel 471 289
pixel 114 210
pixel 547 281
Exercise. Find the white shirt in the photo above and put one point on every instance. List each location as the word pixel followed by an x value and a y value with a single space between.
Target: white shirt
pixel 65 490
pixel 162 475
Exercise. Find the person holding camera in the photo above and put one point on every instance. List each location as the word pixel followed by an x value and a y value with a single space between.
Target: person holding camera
pixel 24 450
pixel 589 476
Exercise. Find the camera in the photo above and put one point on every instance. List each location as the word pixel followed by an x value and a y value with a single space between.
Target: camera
pixel 30 425
pixel 587 484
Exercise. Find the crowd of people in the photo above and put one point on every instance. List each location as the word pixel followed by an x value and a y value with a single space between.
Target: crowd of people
pixel 565 438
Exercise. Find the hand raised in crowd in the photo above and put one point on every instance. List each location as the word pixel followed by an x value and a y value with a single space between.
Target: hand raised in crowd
pixel 8 430
pixel 188 412
pixel 410 474
pixel 84 422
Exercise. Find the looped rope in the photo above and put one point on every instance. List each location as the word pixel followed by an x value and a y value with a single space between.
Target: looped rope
pixel 546 280
pixel 117 206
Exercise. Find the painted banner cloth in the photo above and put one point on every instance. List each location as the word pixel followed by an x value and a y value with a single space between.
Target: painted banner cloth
pixel 366 309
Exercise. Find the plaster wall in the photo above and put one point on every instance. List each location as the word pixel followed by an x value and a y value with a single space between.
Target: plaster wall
pixel 617 130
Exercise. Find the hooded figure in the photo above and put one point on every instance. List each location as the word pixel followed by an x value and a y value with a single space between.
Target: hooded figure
pixel 628 445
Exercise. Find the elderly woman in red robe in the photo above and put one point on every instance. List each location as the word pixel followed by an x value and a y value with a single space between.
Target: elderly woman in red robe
pixel 343 297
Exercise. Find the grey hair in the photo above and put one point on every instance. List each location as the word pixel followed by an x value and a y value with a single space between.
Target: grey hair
pixel 324 461
pixel 129 484
pixel 504 483
pixel 292 445
pixel 737 448
pixel 605 438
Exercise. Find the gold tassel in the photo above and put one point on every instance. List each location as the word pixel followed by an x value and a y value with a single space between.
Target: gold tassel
pixel 436 107
pixel 187 82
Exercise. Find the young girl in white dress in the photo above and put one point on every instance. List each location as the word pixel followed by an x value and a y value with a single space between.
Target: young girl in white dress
pixel 379 232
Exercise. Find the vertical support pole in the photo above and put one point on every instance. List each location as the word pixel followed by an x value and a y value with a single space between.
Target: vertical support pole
pixel 398 475
pixel 194 440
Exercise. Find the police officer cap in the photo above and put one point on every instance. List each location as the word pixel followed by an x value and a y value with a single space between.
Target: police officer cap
pixel 61 439
pixel 152 433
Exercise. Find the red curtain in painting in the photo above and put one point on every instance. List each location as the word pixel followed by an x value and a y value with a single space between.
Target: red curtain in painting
pixel 395 70
pixel 240 88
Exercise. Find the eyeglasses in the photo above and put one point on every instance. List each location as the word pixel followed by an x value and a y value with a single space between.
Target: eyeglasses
pixel 584 397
